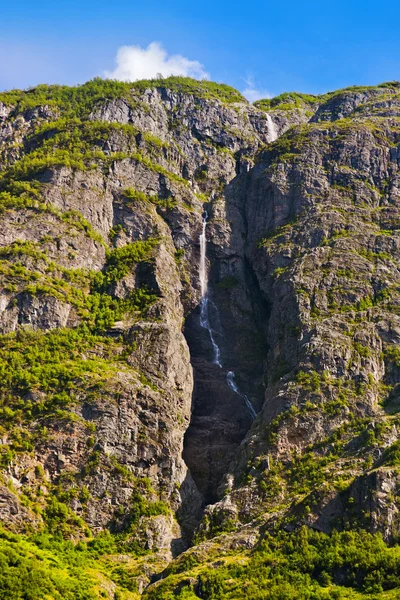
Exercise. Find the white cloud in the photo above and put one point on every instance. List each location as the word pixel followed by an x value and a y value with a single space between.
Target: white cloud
pixel 253 91
pixel 134 62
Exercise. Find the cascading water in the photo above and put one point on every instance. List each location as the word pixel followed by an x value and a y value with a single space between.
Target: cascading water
pixel 205 316
pixel 204 302
pixel 273 133
pixel 230 379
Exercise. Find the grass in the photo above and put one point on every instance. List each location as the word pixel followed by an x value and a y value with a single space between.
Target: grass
pixel 288 101
pixel 306 565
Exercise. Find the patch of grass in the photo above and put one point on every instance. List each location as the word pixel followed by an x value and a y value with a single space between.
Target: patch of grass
pixel 309 381
pixel 187 85
pixel 288 101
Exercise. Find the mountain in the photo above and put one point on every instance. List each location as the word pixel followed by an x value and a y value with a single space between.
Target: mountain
pixel 199 349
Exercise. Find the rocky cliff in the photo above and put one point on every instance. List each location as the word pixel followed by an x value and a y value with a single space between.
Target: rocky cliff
pixel 115 416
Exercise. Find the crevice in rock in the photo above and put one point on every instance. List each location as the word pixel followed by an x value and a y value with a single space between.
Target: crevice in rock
pixel 220 418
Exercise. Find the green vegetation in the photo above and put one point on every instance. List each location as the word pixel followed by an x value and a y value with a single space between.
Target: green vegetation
pixel 54 368
pixel 276 233
pixel 142 507
pixel 310 381
pixel 391 456
pixel 89 292
pixel 288 101
pixel 121 260
pixel 73 133
pixel 45 566
pixel 49 379
pixel 49 360
pixel 306 565
pixel 279 271
pixel 59 363
pixel 81 100
pixel 78 101
pixel 135 196
pixel 47 569
pixel 187 85
pixel 392 354
pixel 78 144
pixel 295 100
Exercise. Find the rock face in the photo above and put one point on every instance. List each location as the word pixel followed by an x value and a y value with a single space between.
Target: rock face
pixel 113 413
pixel 84 189
pixel 322 241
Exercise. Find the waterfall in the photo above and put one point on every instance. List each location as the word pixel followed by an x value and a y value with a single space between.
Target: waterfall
pixel 204 302
pixel 230 379
pixel 205 316
pixel 272 130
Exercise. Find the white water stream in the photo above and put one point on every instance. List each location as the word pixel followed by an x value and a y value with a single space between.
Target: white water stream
pixel 230 380
pixel 273 132
pixel 205 316
pixel 204 301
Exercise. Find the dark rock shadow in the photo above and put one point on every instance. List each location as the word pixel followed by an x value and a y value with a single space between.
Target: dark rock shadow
pixel 239 317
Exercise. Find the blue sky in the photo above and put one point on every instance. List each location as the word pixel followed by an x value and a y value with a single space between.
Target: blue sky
pixel 267 47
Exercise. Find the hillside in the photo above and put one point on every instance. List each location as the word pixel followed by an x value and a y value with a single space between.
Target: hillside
pixel 199 343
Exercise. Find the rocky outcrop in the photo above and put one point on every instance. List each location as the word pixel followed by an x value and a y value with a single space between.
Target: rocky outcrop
pixel 160 156
pixel 323 247
pixel 113 407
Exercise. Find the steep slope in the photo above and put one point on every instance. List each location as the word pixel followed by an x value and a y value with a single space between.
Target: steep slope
pixel 100 228
pixel 321 229
pixel 321 208
pixel 116 417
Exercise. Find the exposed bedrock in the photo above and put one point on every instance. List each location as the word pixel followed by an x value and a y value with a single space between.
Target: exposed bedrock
pixel 115 393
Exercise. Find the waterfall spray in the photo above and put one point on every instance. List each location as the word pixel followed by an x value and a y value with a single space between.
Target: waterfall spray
pixel 205 316
pixel 272 130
